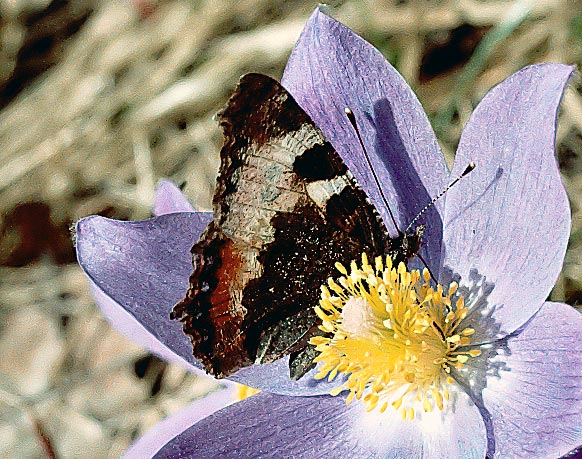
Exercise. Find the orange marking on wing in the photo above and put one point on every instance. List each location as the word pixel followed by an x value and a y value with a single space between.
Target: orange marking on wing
pixel 227 320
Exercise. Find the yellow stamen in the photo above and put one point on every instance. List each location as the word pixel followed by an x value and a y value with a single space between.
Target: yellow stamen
pixel 243 392
pixel 394 335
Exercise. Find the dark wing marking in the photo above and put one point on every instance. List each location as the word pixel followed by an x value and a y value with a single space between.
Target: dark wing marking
pixel 286 209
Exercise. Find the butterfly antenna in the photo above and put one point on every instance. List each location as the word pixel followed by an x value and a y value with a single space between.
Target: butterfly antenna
pixel 352 119
pixel 468 169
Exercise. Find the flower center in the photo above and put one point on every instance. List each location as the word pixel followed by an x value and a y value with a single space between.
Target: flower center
pixel 393 334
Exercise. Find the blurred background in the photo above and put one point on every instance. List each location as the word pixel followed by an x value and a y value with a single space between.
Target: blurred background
pixel 100 99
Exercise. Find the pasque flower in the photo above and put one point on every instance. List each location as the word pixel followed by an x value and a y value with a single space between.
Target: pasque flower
pixel 506 374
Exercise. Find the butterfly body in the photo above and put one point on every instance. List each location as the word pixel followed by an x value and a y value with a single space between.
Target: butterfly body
pixel 286 209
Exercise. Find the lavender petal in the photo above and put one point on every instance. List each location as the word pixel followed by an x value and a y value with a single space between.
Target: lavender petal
pixel 507 223
pixel 139 270
pixel 169 199
pixel 271 426
pixel 148 445
pixel 144 268
pixel 534 389
pixel 332 68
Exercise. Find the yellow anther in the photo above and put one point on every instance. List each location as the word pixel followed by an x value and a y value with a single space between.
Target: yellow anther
pixel 397 403
pixel 365 262
pixel 426 405
pixel 336 391
pixel 462 358
pixel 426 274
pixel 243 392
pixel 393 335
pixel 341 269
pixel 438 397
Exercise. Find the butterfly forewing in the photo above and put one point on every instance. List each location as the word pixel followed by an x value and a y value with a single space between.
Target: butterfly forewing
pixel 286 209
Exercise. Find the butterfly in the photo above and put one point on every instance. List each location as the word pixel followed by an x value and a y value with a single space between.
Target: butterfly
pixel 286 210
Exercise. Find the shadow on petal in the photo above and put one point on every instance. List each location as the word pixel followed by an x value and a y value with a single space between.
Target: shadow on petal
pixel 475 373
pixel 409 189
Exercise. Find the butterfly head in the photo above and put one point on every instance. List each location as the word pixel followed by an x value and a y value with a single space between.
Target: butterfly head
pixel 406 245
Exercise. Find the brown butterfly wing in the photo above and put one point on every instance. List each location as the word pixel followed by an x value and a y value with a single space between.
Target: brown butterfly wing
pixel 286 209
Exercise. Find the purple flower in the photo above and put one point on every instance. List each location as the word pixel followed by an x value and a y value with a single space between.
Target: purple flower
pixel 501 234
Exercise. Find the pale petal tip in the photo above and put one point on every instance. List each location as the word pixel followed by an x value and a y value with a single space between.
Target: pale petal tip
pixel 170 199
pixel 81 228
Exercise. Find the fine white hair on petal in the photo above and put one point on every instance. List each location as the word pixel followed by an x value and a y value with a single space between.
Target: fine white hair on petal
pixel 458 431
pixel 358 317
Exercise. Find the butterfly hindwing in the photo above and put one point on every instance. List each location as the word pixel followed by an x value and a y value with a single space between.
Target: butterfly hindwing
pixel 286 209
